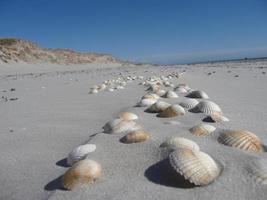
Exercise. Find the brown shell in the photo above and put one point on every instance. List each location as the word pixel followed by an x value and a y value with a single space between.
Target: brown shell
pixel 172 111
pixel 202 129
pixel 135 137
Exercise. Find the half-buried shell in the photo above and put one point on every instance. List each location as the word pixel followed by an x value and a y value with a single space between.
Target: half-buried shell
pixel 198 94
pixel 189 103
pixel 179 142
pixel 135 137
pixel 202 129
pixel 207 107
pixel 157 107
pixel 171 94
pixel 258 169
pixel 128 116
pixel 146 102
pixel 172 111
pixel 216 117
pixel 120 126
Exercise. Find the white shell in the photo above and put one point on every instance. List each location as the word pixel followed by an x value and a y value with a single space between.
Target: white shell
pixel 189 103
pixel 179 142
pixel 151 96
pixel 207 107
pixel 128 116
pixel 196 166
pixel 172 111
pixel 146 102
pixel 79 153
pixel 180 90
pixel 159 106
pixel 160 92
pixel 120 126
pixel 202 129
pixel 198 94
pixel 258 169
pixel 171 94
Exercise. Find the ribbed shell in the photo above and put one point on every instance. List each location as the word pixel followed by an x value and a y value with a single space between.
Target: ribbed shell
pixel 159 106
pixel 172 111
pixel 171 94
pixel 258 170
pixel 198 94
pixel 120 126
pixel 81 173
pixel 146 102
pixel 216 117
pixel 202 129
pixel 135 137
pixel 128 116
pixel 179 142
pixel 80 152
pixel 196 166
pixel 207 107
pixel 241 139
pixel 189 103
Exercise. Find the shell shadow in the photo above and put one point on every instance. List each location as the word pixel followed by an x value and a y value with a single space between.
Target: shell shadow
pixel 194 110
pixel 54 185
pixel 162 173
pixel 62 163
pixel 208 119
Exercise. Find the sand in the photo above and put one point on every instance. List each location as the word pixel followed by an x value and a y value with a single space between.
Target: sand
pixel 54 114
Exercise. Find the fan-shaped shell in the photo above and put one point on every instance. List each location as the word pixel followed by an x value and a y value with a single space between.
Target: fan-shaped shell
pixel 171 94
pixel 216 117
pixel 146 102
pixel 172 111
pixel 135 137
pixel 241 139
pixel 189 103
pixel 159 106
pixel 128 116
pixel 207 107
pixel 151 96
pixel 198 94
pixel 202 129
pixel 181 90
pixel 81 173
pixel 120 126
pixel 196 166
pixel 258 169
pixel 79 153
pixel 179 142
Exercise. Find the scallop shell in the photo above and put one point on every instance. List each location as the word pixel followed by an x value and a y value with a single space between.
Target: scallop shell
pixel 120 126
pixel 160 92
pixel 207 107
pixel 172 111
pixel 171 94
pixel 128 116
pixel 151 96
pixel 79 153
pixel 179 142
pixel 159 106
pixel 216 117
pixel 146 102
pixel 258 169
pixel 81 173
pixel 241 139
pixel 202 129
pixel 189 103
pixel 196 166
pixel 198 94
pixel 135 137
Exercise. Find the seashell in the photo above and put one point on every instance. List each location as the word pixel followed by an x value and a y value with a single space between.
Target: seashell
pixel 179 142
pixel 135 137
pixel 241 139
pixel 258 169
pixel 79 153
pixel 202 129
pixel 207 107
pixel 120 126
pixel 151 96
pixel 102 87
pixel 196 166
pixel 189 103
pixel 128 116
pixel 183 85
pixel 94 91
pixel 171 94
pixel 160 92
pixel 172 111
pixel 159 106
pixel 81 173
pixel 216 117
pixel 180 90
pixel 198 94
pixel 154 87
pixel 146 102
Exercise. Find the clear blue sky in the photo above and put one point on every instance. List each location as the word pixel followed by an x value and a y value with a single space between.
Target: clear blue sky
pixel 161 31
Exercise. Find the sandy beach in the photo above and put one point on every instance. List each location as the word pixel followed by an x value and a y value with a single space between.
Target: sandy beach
pixel 46 112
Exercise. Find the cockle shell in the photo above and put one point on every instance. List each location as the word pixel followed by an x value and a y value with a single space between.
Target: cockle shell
pixel 146 102
pixel 172 111
pixel 241 139
pixel 202 129
pixel 198 94
pixel 207 107
pixel 159 106
pixel 81 173
pixel 258 169
pixel 120 126
pixel 160 92
pixel 196 166
pixel 179 142
pixel 180 90
pixel 189 103
pixel 135 137
pixel 171 94
pixel 128 116
pixel 151 96
pixel 79 153
pixel 216 117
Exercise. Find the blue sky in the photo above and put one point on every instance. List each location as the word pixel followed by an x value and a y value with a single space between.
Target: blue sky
pixel 159 31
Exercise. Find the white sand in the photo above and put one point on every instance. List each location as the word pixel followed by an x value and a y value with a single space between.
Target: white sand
pixel 55 113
